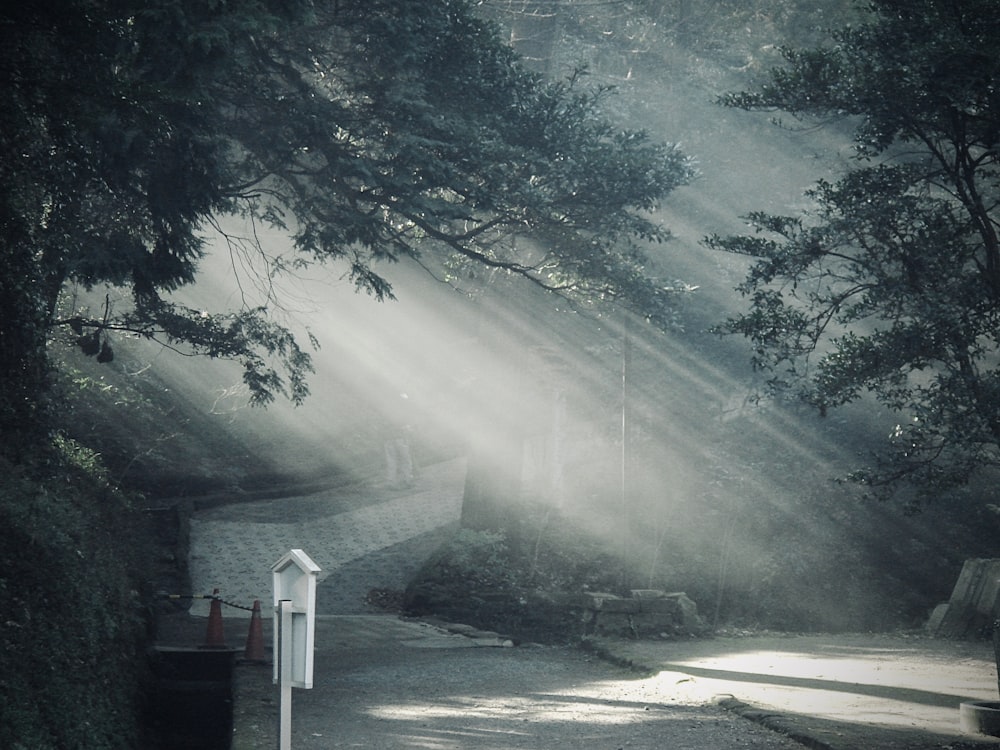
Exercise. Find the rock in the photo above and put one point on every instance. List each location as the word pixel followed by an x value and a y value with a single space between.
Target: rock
pixel 974 602
pixel 647 613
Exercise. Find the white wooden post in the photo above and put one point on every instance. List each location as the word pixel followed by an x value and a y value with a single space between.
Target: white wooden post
pixel 295 576
pixel 285 674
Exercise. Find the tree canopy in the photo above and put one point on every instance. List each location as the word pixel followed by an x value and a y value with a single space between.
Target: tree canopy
pixel 890 284
pixel 369 130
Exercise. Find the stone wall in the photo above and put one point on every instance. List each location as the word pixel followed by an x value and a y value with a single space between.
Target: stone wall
pixel 647 613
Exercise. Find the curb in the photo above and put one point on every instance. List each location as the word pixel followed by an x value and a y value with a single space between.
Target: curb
pixel 483 637
pixel 774 721
pixel 601 651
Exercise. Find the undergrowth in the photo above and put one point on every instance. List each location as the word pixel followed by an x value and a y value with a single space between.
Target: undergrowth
pixel 73 627
pixel 520 581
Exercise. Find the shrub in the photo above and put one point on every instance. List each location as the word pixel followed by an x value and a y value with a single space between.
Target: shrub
pixel 514 583
pixel 72 630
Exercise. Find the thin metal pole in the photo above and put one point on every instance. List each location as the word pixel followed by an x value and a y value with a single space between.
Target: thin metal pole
pixel 626 447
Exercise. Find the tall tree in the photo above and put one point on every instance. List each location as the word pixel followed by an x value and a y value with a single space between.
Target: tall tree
pixel 370 130
pixel 890 285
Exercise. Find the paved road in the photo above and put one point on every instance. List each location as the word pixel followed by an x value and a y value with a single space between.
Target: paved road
pixel 386 683
pixel 842 692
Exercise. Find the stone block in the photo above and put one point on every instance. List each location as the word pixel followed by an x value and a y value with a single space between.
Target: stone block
pixel 647 624
pixel 593 599
pixel 614 625
pixel 663 606
pixel 610 603
pixel 648 594
pixel 937 618
pixel 690 620
pixel 624 606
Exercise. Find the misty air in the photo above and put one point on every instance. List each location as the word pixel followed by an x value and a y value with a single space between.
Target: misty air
pixel 502 374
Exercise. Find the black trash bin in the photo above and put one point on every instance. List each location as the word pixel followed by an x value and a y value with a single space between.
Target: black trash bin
pixel 191 706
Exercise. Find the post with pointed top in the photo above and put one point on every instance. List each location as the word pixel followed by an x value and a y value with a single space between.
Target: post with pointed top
pixel 295 576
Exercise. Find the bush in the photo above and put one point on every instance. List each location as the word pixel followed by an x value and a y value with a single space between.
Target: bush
pixel 514 583
pixel 72 630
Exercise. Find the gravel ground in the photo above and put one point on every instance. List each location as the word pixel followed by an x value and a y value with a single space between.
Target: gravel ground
pixel 384 683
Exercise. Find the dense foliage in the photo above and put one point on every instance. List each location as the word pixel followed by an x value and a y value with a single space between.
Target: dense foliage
pixel 369 131
pixel 890 285
pixel 516 581
pixel 72 632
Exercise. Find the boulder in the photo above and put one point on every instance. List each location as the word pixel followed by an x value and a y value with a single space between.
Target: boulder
pixel 974 604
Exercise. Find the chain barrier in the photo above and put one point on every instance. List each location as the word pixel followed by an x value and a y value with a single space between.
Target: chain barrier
pixel 215 597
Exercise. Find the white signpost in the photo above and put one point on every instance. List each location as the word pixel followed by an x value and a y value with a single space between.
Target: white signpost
pixel 295 576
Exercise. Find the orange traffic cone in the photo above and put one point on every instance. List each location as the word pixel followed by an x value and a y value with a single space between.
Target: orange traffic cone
pixel 254 650
pixel 214 637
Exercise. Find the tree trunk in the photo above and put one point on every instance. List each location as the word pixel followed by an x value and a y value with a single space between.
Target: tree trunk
pixel 24 368
pixel 492 485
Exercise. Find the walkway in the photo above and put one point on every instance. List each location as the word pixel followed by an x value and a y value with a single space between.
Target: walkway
pixel 362 537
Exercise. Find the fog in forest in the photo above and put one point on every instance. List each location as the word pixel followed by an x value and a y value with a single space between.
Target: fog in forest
pixel 643 435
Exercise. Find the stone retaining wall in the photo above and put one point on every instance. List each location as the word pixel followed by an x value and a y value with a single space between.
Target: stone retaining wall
pixel 647 613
